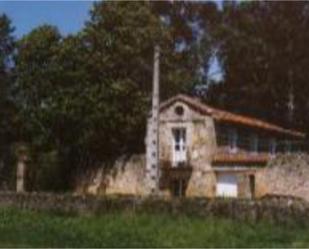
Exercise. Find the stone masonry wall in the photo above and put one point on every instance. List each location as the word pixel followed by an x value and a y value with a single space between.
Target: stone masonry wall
pixel 274 210
pixel 200 143
pixel 125 177
pixel 285 175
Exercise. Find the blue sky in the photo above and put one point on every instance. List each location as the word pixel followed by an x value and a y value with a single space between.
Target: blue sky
pixel 68 16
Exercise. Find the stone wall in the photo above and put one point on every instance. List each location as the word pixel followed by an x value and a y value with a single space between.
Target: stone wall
pixel 126 176
pixel 285 175
pixel 274 210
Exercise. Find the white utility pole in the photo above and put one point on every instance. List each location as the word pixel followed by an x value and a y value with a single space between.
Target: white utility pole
pixel 152 140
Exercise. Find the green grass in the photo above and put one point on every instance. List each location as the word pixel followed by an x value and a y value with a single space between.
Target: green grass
pixel 20 228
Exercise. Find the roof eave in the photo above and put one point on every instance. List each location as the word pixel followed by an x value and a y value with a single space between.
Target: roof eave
pixel 205 109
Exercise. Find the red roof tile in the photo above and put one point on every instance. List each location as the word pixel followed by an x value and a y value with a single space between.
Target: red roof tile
pixel 226 116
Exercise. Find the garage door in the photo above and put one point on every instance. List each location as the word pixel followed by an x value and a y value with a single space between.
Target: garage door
pixel 227 185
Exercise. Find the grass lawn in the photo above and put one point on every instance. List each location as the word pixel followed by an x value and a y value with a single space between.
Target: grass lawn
pixel 20 228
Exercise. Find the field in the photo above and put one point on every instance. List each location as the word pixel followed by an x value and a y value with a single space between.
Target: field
pixel 20 228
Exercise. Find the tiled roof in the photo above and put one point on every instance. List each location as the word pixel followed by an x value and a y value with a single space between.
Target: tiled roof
pixel 229 117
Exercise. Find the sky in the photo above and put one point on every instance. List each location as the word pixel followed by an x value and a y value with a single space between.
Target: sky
pixel 68 16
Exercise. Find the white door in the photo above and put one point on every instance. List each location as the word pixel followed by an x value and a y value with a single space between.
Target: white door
pixel 179 146
pixel 227 185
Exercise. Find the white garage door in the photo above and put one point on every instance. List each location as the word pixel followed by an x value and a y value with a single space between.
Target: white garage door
pixel 227 185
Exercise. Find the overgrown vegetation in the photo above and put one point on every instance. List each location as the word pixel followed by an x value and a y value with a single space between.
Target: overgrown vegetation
pixel 20 228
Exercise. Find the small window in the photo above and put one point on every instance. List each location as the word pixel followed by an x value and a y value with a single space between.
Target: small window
pixel 233 137
pixel 254 143
pixel 296 146
pixel 179 110
pixel 288 146
pixel 272 146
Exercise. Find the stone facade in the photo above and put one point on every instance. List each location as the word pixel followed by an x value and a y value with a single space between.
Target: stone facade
pixel 200 143
pixel 126 177
pixel 285 175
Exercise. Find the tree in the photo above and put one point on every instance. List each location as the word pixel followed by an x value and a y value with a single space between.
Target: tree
pixel 262 47
pixel 125 34
pixel 6 43
pixel 86 96
pixel 8 119
pixel 36 68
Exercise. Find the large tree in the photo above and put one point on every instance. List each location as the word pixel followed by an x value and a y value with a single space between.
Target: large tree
pixel 263 50
pixel 87 96
pixel 8 119
pixel 6 52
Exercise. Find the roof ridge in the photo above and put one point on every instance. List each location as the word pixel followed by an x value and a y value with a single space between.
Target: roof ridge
pixel 223 115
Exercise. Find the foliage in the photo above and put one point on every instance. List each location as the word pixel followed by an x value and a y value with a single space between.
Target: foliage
pixel 20 228
pixel 262 47
pixel 87 96
pixel 8 120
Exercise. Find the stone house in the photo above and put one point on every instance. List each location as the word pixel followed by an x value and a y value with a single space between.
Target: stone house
pixel 204 151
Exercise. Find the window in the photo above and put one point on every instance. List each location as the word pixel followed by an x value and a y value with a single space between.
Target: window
pixel 179 110
pixel 288 146
pixel 272 146
pixel 254 143
pixel 296 146
pixel 232 137
pixel 179 146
